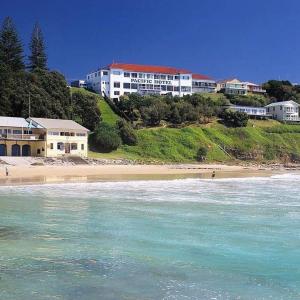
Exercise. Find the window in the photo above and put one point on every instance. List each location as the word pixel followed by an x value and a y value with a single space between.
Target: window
pixel 126 74
pixel 99 73
pixel 60 146
pixel 105 73
pixel 170 77
pixel 149 76
pixel 73 146
pixel 142 75
pixel 127 93
pixel 134 86
pixel 176 77
pixel 82 146
pixel 116 72
pixel 157 87
pixel 185 77
pixel 163 87
pixel 51 133
pixel 156 76
pixel 170 88
pixel 176 88
pixel 80 134
pixel 185 89
pixel 116 84
pixel 17 131
pixel 116 93
pixel 27 131
pixel 126 85
pixel 134 75
pixel 51 146
pixel 162 76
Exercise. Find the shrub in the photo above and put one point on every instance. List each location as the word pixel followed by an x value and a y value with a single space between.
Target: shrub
pixel 105 138
pixel 201 153
pixel 235 118
pixel 126 133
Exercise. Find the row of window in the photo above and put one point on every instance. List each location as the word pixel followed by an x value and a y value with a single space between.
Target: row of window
pixel 62 133
pixel 14 131
pixel 141 75
pixel 205 84
pixel 169 88
pixel 61 146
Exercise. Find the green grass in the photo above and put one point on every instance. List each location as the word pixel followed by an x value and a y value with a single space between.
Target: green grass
pixel 260 141
pixel 107 114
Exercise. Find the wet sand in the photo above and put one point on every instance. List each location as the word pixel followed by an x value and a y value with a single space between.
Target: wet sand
pixel 82 173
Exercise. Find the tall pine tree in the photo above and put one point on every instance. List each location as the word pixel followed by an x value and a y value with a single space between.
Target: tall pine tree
pixel 11 51
pixel 38 57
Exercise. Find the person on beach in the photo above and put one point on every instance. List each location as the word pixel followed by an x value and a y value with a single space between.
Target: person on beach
pixel 6 171
pixel 213 175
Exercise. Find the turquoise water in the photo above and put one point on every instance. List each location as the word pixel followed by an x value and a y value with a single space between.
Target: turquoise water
pixel 177 239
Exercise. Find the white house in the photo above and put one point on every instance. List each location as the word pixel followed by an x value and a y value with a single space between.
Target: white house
pixel 260 112
pixel 286 111
pixel 119 79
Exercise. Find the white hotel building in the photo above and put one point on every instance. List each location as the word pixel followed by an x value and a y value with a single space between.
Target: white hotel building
pixel 119 79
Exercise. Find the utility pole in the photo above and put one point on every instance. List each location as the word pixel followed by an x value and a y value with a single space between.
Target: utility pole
pixel 29 105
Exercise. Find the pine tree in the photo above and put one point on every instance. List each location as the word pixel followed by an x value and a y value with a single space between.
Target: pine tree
pixel 11 51
pixel 38 57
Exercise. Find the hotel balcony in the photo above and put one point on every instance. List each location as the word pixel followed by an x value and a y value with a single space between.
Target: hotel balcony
pixel 22 137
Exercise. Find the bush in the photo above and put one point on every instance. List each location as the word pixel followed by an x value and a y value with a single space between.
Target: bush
pixel 105 138
pixel 126 133
pixel 235 118
pixel 201 153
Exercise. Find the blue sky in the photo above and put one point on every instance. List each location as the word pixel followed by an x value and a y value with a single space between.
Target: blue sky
pixel 254 40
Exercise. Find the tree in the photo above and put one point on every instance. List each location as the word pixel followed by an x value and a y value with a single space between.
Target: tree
pixel 105 138
pixel 201 153
pixel 126 133
pixel 85 110
pixel 11 51
pixel 38 57
pixel 235 118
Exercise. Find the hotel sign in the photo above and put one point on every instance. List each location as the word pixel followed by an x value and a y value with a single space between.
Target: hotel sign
pixel 151 81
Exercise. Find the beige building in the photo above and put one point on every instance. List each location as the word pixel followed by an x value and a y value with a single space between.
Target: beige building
pixel 42 137
pixel 237 87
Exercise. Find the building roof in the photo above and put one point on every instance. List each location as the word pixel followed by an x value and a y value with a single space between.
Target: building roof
pixel 201 77
pixel 13 122
pixel 148 69
pixel 58 124
pixel 291 102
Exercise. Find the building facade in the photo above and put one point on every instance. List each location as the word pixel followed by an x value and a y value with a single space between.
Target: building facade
pixel 255 112
pixel 78 83
pixel 285 111
pixel 237 87
pixel 119 79
pixel 42 137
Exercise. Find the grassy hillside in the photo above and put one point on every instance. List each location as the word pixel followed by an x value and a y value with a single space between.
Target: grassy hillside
pixel 261 141
pixel 107 114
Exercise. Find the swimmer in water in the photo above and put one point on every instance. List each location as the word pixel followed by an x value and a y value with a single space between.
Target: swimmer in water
pixel 213 175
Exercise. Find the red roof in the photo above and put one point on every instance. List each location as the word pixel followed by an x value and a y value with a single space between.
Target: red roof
pixel 201 77
pixel 148 69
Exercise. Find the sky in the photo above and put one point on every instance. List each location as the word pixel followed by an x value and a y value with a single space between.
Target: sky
pixel 253 40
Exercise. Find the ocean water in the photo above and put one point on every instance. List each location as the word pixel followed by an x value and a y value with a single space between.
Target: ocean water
pixel 176 239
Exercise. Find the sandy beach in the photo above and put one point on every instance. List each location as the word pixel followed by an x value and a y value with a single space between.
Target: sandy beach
pixel 24 174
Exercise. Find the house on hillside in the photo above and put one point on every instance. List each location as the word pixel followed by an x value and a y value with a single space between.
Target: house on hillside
pixel 42 137
pixel 285 111
pixel 252 112
pixel 237 87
